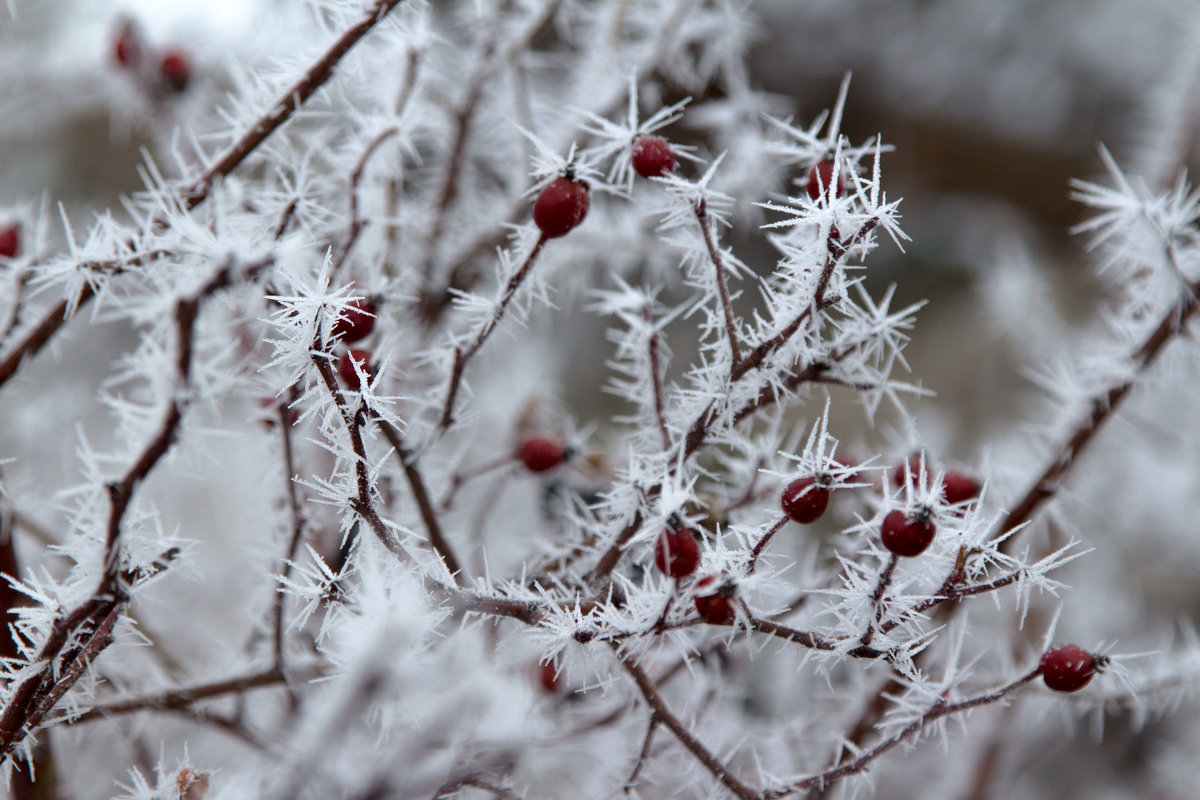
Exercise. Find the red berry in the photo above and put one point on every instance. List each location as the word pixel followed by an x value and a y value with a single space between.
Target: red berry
pixel 904 536
pixel 804 501
pixel 356 322
pixel 911 466
pixel 175 70
pixel 10 240
pixel 959 488
pixel 127 50
pixel 560 207
pixel 676 553
pixel 346 367
pixel 820 177
pixel 1067 668
pixel 652 156
pixel 548 678
pixel 715 608
pixel 540 453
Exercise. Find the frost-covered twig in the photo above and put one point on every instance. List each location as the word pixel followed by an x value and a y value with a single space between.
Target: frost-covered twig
pixel 914 728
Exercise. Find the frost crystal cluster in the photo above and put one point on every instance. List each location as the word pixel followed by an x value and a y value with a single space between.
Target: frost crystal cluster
pixel 468 380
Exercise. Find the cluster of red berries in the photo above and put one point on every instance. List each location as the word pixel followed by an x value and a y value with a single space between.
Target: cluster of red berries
pixel 172 69
pixel 563 203
pixel 10 240
pixel 677 555
pixel 356 323
pixel 715 606
pixel 1069 668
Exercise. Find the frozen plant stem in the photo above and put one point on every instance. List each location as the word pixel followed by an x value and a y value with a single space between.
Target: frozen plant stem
pixel 94 618
pixel 1173 323
pixel 714 255
pixel 284 421
pixel 363 502
pixel 659 709
pixel 463 355
pixel 416 483
pixel 885 580
pixel 935 712
pixel 356 220
pixel 656 380
pixel 182 698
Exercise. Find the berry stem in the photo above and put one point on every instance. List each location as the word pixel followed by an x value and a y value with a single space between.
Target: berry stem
pixel 885 580
pixel 761 544
pixel 714 255
pixel 463 355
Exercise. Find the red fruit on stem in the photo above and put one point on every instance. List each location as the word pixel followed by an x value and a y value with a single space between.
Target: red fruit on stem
pixel 175 70
pixel 548 678
pixel 906 536
pixel 346 367
pixel 911 466
pixel 715 608
pixel 10 240
pixel 356 322
pixel 560 206
pixel 652 156
pixel 820 181
pixel 1067 668
pixel 804 501
pixel 540 453
pixel 959 488
pixel 676 554
pixel 127 50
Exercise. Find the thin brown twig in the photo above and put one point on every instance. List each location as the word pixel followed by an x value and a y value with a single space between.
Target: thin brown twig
pixel 463 355
pixel 877 597
pixel 714 255
pixel 363 502
pixel 464 113
pixel 649 691
pixel 284 411
pixel 936 712
pixel 429 514
pixel 356 221
pixel 643 754
pixel 174 699
pixel 656 379
pixel 761 544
